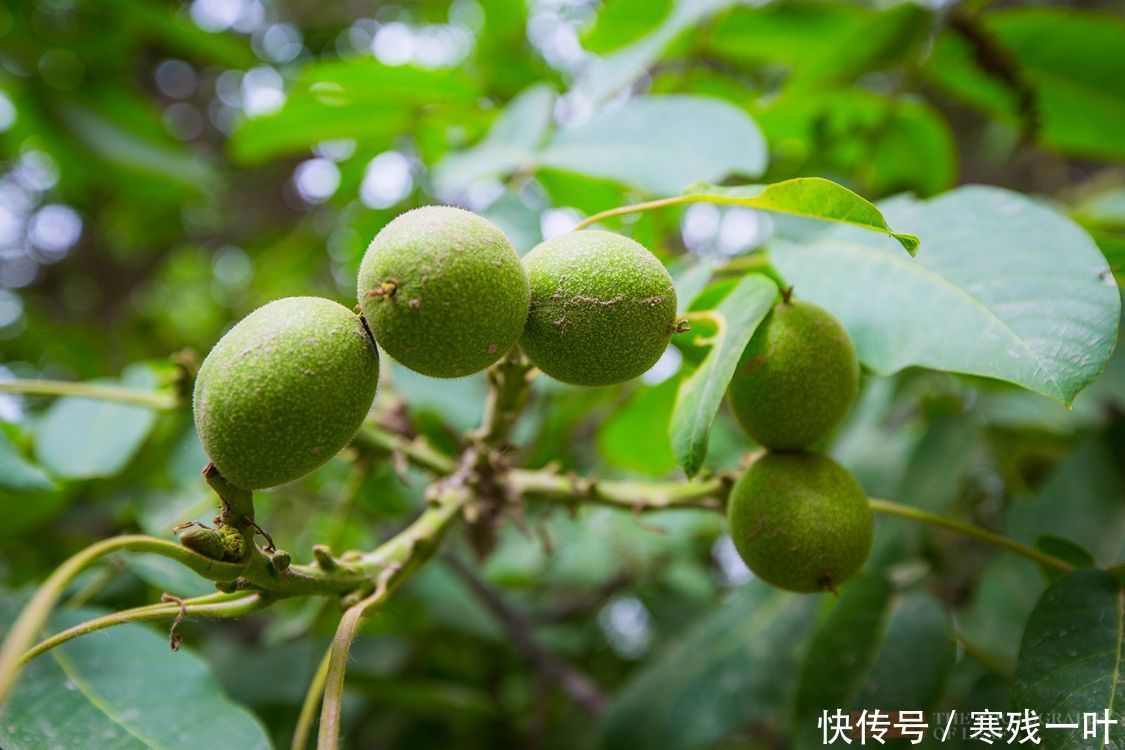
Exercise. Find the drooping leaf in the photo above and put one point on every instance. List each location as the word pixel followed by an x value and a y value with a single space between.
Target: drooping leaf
pixel 734 321
pixel 122 688
pixel 1070 657
pixel 811 197
pixel 720 676
pixel 510 144
pixel 1004 288
pixel 661 143
pixel 81 438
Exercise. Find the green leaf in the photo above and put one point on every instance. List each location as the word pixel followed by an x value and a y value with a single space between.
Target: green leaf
pixel 843 648
pixel 122 688
pixel 1070 656
pixel 933 480
pixel 723 674
pixel 875 649
pixel 735 319
pixel 1004 288
pixel 820 43
pixel 17 473
pixel 510 144
pixel 811 197
pixel 361 99
pixel 659 144
pixel 81 438
pixel 1071 59
pixel 610 74
pixel 120 139
pixel 877 140
pixel 168 576
pixel 1065 549
pixel 636 436
pixel 622 22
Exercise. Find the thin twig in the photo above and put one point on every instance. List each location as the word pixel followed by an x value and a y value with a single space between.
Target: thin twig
pixel 303 731
pixel 118 394
pixel 972 530
pixel 580 688
pixel 212 605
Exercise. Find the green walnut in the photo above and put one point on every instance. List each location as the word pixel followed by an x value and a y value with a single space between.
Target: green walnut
pixel 796 379
pixel 800 521
pixel 284 390
pixel 443 291
pixel 603 308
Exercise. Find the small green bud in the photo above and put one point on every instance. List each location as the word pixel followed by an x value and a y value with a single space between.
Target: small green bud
pixel 205 541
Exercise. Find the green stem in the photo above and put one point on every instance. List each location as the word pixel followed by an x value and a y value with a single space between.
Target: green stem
pixel 961 527
pixel 328 736
pixel 212 605
pixel 395 561
pixel 675 200
pixel 508 382
pixel 710 494
pixel 119 394
pixel 416 450
pixel 983 657
pixel 707 494
pixel 303 730
pixel 35 613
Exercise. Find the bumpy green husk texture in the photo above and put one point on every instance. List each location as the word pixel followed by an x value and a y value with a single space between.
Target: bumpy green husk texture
pixel 443 291
pixel 797 378
pixel 284 390
pixel 602 308
pixel 800 521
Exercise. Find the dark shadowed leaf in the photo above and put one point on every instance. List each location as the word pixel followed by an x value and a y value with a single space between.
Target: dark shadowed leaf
pixel 1070 657
pixel 876 649
pixel 122 688
pixel 720 676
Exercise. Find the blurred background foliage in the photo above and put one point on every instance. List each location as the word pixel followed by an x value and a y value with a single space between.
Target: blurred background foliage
pixel 166 167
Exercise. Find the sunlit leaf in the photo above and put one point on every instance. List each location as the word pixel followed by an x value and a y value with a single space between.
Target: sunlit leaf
pixel 811 197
